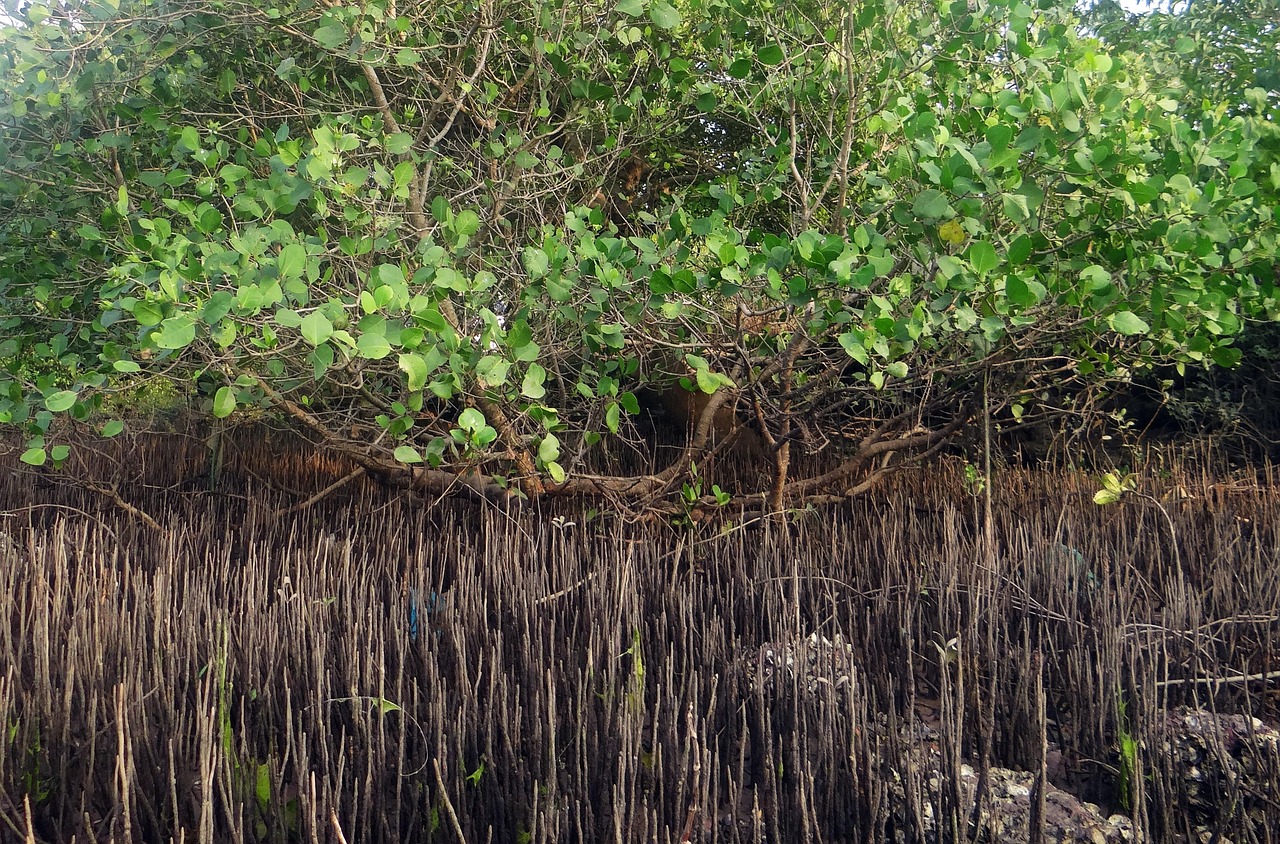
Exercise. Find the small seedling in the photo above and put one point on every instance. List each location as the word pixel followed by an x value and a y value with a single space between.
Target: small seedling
pixel 1114 487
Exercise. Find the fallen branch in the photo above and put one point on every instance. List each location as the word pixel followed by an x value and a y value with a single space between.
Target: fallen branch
pixel 319 496
pixel 554 595
pixel 113 493
pixel 1233 680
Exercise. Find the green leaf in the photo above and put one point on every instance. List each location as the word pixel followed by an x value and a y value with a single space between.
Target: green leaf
pixel 631 8
pixel 1105 496
pixel 331 36
pixel 60 401
pixel 262 788
pixel 549 448
pixel 292 261
pixel 770 54
pixel 126 366
pixel 176 332
pixel 224 402
pixel 466 223
pixel 664 15
pixel 218 306
pixel 852 344
pixel 982 255
pixel 1128 323
pixel 1019 250
pixel 536 262
pixel 471 419
pixel 34 457
pixel 613 417
pixel 415 367
pixel 407 454
pixel 556 471
pixel 1095 277
pixel 492 370
pixel 930 205
pixel 113 428
pixel 316 328
pixel 532 385
pixel 373 346
pixel 147 313
pixel 399 143
pixel 708 381
pixel 1019 293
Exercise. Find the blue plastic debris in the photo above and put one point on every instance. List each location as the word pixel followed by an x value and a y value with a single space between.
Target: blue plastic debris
pixel 433 603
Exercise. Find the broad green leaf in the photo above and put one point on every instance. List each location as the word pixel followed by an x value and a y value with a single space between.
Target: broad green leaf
pixel 112 428
pixel 262 788
pixel 1019 250
pixel 549 448
pixel 852 344
pixel 399 143
pixel 466 223
pixel 224 402
pixel 316 328
pixel 536 262
pixel 292 261
pixel 471 419
pixel 982 255
pixel 34 457
pixel 532 387
pixel 930 204
pixel 770 54
pixel 60 401
pixel 147 313
pixel 331 36
pixel 415 367
pixel 373 346
pixel 1019 293
pixel 407 454
pixel 492 370
pixel 176 332
pixel 664 15
pixel 556 471
pixel 707 381
pixel 631 8
pixel 1128 323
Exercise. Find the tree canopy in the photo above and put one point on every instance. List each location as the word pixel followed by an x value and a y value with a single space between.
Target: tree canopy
pixel 467 243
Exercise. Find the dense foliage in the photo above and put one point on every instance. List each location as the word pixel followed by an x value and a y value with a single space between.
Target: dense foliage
pixel 468 242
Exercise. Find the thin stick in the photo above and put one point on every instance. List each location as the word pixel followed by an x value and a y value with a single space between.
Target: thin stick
pixel 336 485
pixel 26 806
pixel 337 827
pixel 448 805
pixel 1220 681
pixel 554 595
pixel 114 494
